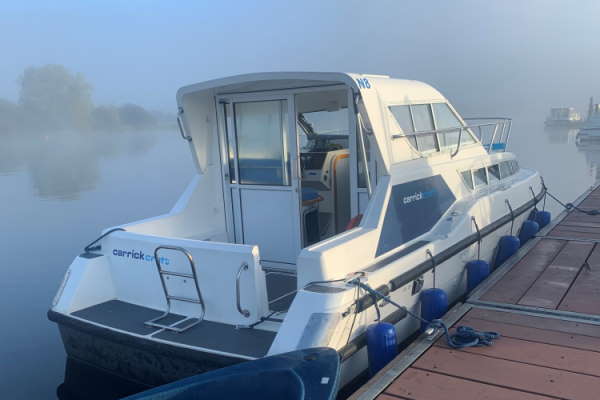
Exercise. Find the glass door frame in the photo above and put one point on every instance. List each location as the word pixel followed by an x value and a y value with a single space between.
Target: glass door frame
pixel 227 132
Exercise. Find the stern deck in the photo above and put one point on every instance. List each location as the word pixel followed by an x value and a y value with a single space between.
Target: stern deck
pixel 212 336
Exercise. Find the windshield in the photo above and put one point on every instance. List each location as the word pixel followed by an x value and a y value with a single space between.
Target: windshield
pixel 323 130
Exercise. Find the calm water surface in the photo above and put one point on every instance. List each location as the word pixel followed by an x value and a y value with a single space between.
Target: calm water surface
pixel 58 192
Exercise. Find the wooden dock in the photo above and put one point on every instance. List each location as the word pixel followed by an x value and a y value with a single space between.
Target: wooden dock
pixel 545 303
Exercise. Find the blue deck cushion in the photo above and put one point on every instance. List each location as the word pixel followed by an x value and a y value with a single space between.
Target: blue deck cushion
pixel 309 194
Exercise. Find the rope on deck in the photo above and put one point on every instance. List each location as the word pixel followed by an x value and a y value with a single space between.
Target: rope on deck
pixel 464 336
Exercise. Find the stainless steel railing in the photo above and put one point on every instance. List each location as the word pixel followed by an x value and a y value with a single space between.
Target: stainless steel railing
pixel 493 136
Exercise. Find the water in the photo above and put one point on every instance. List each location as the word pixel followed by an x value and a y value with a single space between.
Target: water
pixel 55 197
pixel 59 191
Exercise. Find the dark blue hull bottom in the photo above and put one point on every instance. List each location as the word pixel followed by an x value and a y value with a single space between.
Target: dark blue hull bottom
pixel 132 358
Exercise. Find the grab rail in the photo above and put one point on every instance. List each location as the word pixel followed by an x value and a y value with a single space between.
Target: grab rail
pixel 179 325
pixel 180 125
pixel 238 304
pixel 90 247
pixel 497 132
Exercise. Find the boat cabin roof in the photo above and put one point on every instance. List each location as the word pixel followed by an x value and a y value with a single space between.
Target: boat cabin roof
pixel 390 90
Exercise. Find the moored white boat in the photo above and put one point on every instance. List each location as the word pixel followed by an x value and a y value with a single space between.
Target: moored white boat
pixel 591 128
pixel 304 182
pixel 563 117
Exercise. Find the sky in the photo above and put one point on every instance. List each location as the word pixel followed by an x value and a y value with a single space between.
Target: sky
pixel 486 56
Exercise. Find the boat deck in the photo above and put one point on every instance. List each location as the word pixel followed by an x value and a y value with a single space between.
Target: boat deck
pixel 545 303
pixel 214 336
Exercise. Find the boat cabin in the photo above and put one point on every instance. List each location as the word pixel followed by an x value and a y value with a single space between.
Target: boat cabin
pixel 292 157
pixel 286 157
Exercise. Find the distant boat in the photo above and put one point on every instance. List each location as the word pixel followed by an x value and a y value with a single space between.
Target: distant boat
pixel 591 127
pixel 302 374
pixel 563 117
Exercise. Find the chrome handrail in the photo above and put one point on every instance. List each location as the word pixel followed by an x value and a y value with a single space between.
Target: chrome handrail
pixel 238 304
pixel 90 247
pixel 180 125
pixel 177 326
pixel 500 134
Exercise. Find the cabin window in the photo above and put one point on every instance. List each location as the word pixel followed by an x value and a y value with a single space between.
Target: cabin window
pixel 420 118
pixel 423 122
pixel 467 178
pixel 404 120
pixel 262 156
pixel 480 177
pixel 505 170
pixel 494 173
pixel 446 119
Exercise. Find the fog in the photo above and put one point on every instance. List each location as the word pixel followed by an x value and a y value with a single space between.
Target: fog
pixel 489 54
pixel 106 151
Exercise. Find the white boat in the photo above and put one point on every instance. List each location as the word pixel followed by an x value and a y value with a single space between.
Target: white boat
pixel 304 182
pixel 563 117
pixel 591 128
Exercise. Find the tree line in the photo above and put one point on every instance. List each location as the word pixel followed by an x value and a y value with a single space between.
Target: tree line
pixel 52 98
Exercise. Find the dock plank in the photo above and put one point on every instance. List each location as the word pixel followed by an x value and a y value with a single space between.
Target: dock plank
pixel 388 397
pixel 551 286
pixel 553 324
pixel 566 233
pixel 584 295
pixel 510 374
pixel 424 385
pixel 541 354
pixel 581 224
pixel 578 228
pixel 520 278
pixel 534 334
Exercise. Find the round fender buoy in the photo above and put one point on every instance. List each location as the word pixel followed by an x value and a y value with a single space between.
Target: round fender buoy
pixel 543 218
pixel 477 271
pixel 434 304
pixel 382 345
pixel 528 230
pixel 507 246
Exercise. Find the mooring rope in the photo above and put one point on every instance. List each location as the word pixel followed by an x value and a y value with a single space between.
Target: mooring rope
pixel 567 206
pixel 464 336
pixel 571 206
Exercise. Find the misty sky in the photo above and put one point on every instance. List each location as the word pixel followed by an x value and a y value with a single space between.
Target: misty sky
pixel 485 56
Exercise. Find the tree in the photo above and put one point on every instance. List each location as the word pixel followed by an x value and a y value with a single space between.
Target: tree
pixel 9 117
pixel 135 117
pixel 106 118
pixel 54 98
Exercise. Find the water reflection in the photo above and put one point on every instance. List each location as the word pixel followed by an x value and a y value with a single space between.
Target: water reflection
pixel 85 382
pixel 591 150
pixel 560 134
pixel 61 165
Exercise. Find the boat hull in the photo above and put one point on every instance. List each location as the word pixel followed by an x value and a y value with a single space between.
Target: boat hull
pixel 133 358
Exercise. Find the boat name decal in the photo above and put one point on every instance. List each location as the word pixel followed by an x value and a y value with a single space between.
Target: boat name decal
pixel 363 83
pixel 417 196
pixel 139 255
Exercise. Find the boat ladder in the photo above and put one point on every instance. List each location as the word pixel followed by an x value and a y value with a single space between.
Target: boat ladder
pixel 179 325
